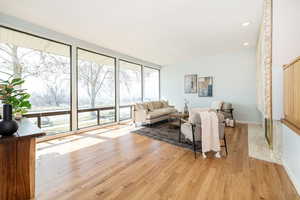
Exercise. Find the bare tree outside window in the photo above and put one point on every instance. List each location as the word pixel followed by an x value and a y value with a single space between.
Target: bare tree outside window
pixel 130 83
pixel 130 86
pixel 151 84
pixel 46 67
pixel 46 74
pixel 96 87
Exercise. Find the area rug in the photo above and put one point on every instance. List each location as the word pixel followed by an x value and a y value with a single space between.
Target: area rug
pixel 161 131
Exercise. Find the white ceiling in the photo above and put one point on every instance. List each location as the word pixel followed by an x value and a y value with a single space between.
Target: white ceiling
pixel 159 31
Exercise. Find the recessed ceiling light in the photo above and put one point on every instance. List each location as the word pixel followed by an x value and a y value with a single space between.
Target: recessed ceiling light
pixel 246 44
pixel 246 24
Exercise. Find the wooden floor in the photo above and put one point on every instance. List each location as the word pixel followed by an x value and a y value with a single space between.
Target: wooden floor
pixel 119 165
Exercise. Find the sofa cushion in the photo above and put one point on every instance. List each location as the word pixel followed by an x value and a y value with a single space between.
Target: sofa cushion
pixel 160 112
pixel 153 105
pixel 165 104
pixel 141 106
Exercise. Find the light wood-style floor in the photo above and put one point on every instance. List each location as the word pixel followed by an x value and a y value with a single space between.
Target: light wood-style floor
pixel 119 165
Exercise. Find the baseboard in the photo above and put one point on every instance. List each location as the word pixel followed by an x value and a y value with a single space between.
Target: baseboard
pixel 248 122
pixel 291 176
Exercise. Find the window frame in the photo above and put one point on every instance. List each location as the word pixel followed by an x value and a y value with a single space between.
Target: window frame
pixel 77 81
pixel 141 70
pixel 71 72
pixel 72 111
pixel 159 88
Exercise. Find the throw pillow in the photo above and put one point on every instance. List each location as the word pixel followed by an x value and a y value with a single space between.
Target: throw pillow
pixel 151 106
pixel 157 105
pixel 165 104
pixel 142 106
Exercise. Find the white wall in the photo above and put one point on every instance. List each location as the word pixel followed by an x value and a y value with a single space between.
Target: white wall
pixel 234 81
pixel 286 47
pixel 291 154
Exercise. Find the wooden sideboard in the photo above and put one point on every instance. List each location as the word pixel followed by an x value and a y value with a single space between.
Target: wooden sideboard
pixel 292 95
pixel 17 162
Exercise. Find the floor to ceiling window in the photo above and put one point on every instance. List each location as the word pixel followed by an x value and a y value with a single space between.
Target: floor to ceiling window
pixel 151 84
pixel 45 67
pixel 96 89
pixel 130 75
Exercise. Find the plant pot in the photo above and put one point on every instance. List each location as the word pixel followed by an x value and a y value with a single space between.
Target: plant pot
pixel 18 116
pixel 8 126
pixel 1 112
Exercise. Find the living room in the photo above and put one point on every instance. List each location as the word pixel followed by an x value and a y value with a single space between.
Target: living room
pixel 149 100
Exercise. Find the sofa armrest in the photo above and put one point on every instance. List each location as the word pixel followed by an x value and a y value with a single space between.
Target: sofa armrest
pixel 142 111
pixel 140 115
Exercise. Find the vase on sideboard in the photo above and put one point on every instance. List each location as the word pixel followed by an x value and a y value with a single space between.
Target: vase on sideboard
pixel 8 126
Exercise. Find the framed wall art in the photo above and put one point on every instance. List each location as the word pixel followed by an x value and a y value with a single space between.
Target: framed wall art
pixel 205 86
pixel 190 83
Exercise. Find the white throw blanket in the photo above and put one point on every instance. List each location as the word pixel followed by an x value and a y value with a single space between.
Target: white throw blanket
pixel 210 131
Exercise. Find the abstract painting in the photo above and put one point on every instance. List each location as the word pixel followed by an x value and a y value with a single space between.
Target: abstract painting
pixel 190 83
pixel 205 86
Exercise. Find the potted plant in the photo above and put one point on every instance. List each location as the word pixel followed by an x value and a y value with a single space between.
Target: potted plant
pixel 12 94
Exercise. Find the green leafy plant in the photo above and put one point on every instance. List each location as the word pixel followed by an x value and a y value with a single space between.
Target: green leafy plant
pixel 11 94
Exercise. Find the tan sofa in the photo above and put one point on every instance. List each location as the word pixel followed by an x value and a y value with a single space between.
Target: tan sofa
pixel 152 112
